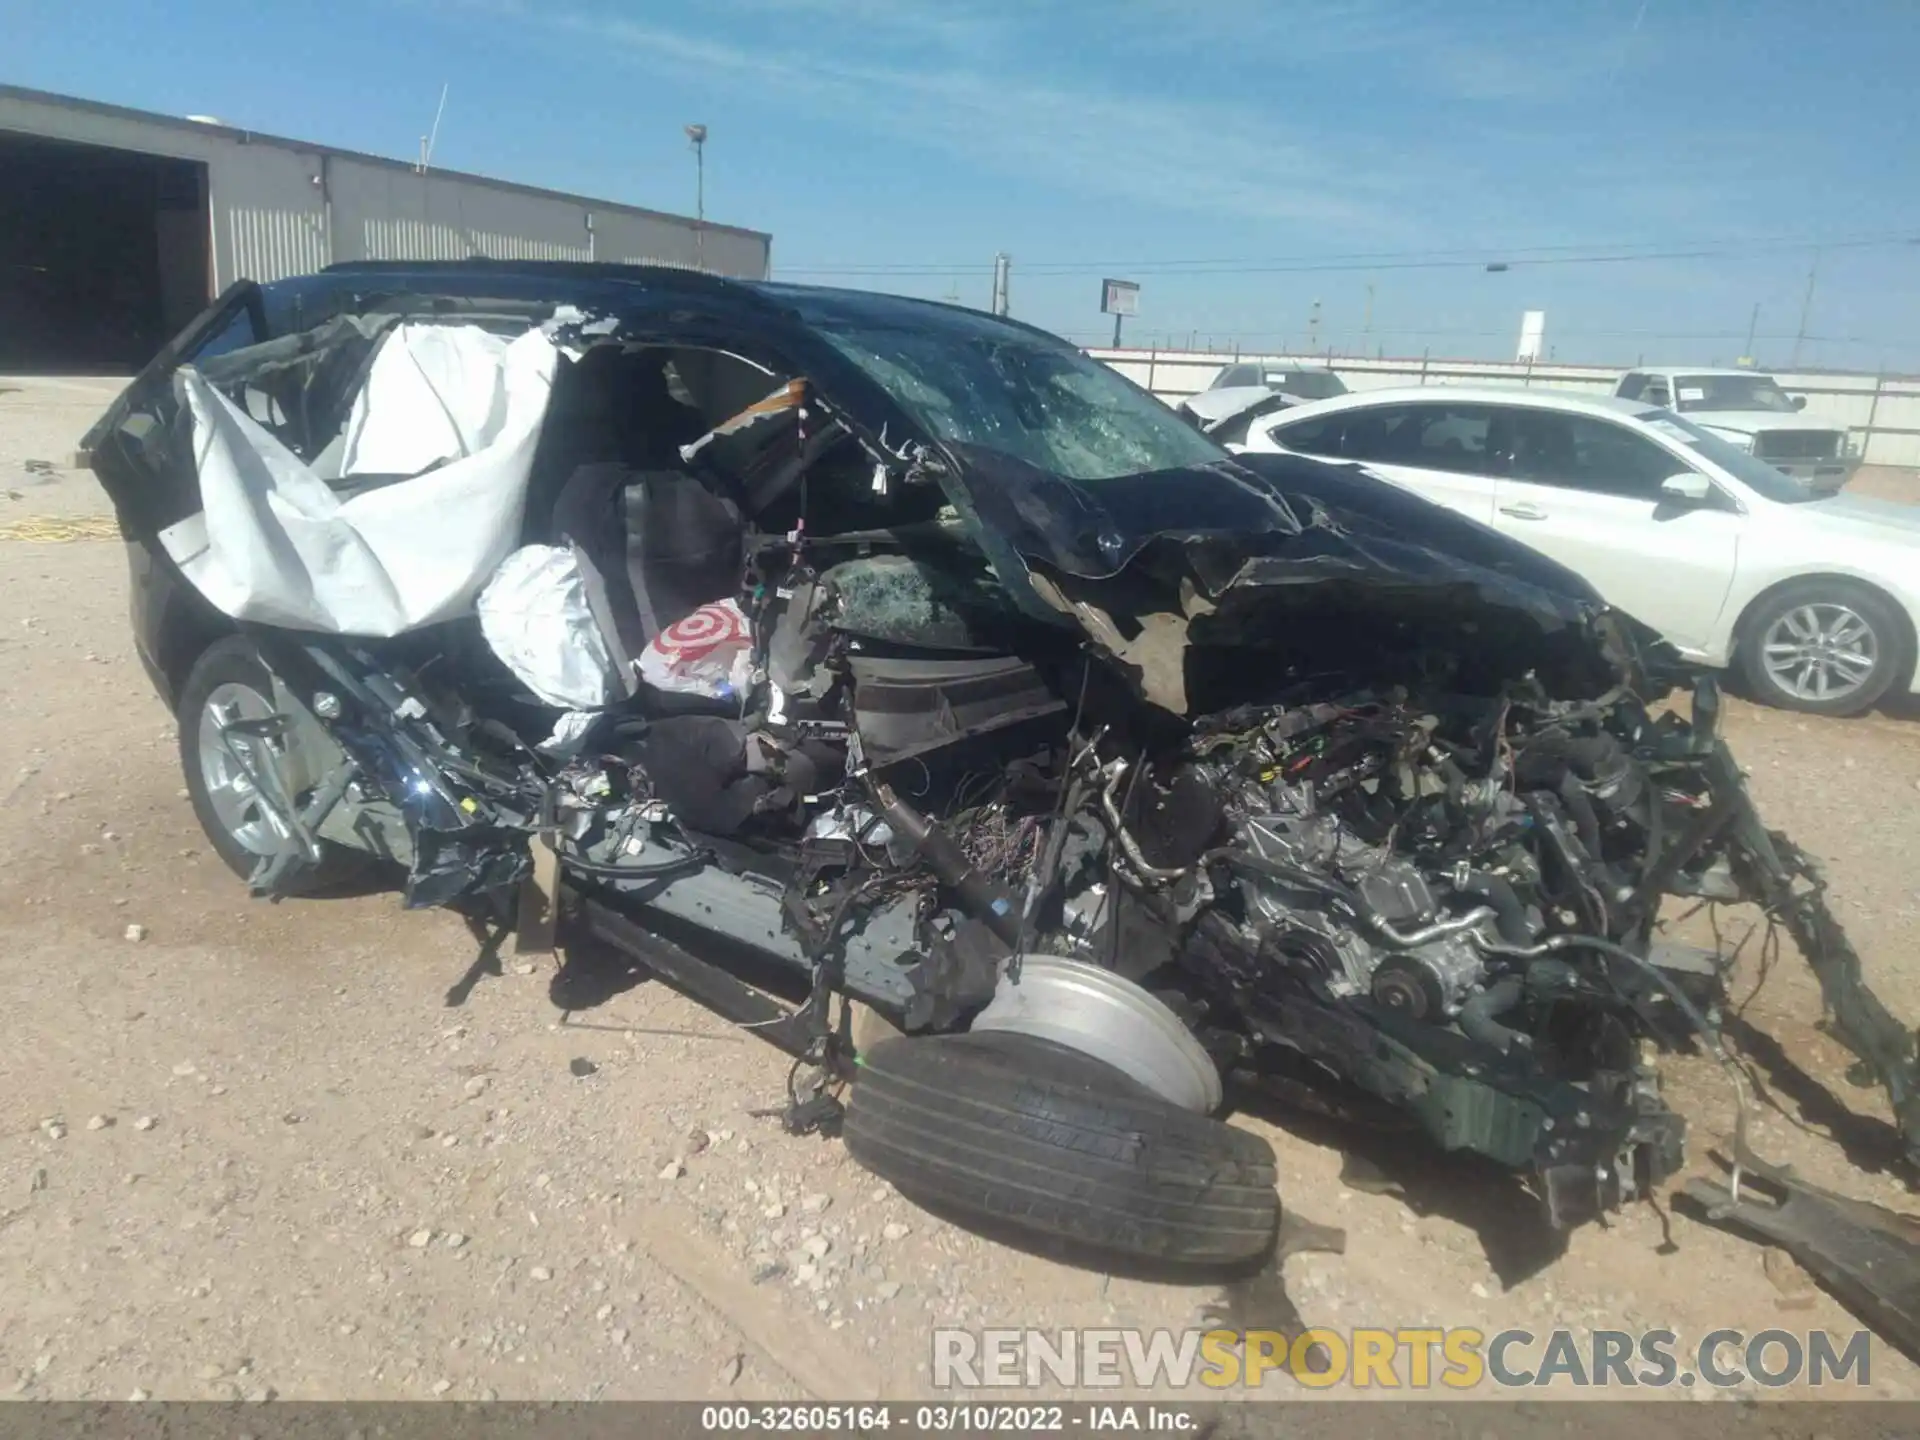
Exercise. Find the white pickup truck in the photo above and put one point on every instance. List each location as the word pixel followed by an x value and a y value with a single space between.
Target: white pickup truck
pixel 1752 411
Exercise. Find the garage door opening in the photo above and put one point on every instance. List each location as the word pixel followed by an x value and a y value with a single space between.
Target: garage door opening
pixel 103 257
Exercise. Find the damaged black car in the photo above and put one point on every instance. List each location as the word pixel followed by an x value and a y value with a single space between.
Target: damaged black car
pixel 912 689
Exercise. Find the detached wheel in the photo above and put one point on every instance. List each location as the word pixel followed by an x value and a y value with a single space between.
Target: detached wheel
pixel 229 682
pixel 1823 648
pixel 1025 1135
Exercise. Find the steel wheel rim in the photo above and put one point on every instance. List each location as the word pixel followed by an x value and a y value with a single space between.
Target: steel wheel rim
pixel 236 805
pixel 1824 650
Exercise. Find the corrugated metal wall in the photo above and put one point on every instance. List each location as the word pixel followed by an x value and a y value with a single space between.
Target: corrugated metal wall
pixel 279 208
pixel 383 213
pixel 269 218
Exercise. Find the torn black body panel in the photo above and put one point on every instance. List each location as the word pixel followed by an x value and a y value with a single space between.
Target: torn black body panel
pixel 1345 498
pixel 1590 1147
pixel 906 707
pixel 1304 559
pixel 1867 1256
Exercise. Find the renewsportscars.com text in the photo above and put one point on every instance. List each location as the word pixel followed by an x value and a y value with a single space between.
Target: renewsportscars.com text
pixel 1402 1358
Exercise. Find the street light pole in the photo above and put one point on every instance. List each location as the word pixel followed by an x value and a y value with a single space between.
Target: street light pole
pixel 698 135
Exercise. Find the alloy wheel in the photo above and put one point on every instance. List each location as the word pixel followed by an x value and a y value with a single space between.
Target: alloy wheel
pixel 1821 651
pixel 235 802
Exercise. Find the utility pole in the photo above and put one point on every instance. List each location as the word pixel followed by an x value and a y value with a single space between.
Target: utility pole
pixel 1753 329
pixel 1002 268
pixel 1806 308
pixel 698 135
pixel 1366 326
pixel 427 140
pixel 1313 328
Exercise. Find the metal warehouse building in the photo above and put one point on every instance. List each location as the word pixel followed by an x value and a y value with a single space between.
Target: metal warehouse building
pixel 117 226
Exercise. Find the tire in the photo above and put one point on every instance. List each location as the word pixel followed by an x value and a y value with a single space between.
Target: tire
pixel 1831 635
pixel 1028 1137
pixel 230 674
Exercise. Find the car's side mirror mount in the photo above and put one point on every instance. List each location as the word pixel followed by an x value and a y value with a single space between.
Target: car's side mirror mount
pixel 1799 402
pixel 1686 488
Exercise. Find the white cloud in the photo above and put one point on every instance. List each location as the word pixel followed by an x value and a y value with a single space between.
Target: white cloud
pixel 1218 158
pixel 971 80
pixel 889 23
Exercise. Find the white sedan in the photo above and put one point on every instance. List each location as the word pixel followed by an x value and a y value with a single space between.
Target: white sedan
pixel 1814 598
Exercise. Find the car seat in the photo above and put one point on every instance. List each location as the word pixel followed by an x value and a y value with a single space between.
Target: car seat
pixel 655 542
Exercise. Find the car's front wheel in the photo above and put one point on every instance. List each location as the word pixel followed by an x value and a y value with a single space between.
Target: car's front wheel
pixel 229 682
pixel 1824 647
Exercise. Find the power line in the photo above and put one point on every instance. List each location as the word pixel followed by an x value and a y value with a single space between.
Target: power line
pixel 1531 256
pixel 1543 254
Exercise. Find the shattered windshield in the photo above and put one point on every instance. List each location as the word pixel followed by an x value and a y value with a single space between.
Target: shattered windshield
pixel 1731 392
pixel 977 381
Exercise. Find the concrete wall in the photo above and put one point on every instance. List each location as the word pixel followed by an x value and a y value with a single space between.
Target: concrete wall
pixel 1884 411
pixel 283 207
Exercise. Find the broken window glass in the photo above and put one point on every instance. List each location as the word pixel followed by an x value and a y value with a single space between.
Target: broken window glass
pixel 982 382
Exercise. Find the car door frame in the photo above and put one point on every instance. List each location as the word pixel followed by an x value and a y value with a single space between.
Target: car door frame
pixel 1659 511
pixel 115 456
pixel 1488 477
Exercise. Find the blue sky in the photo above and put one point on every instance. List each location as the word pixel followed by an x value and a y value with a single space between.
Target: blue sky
pixel 1242 159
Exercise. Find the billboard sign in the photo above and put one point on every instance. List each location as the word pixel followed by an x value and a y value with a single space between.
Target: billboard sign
pixel 1119 297
pixel 1533 333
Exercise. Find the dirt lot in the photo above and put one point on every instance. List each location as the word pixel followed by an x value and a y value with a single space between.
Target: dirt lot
pixel 324 1150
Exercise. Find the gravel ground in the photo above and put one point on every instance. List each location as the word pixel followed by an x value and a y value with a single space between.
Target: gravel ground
pixel 323 1149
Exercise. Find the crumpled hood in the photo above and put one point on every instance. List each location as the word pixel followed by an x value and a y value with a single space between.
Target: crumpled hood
pixel 1094 529
pixel 1230 556
pixel 1388 525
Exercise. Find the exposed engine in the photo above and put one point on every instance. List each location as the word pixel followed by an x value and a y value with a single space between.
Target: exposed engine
pixel 1392 848
pixel 1467 876
pixel 1445 901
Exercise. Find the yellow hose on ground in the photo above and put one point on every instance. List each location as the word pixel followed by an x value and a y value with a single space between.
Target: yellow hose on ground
pixel 50 529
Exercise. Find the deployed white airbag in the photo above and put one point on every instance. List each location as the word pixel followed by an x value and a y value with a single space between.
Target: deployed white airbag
pixel 431 395
pixel 537 619
pixel 273 543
